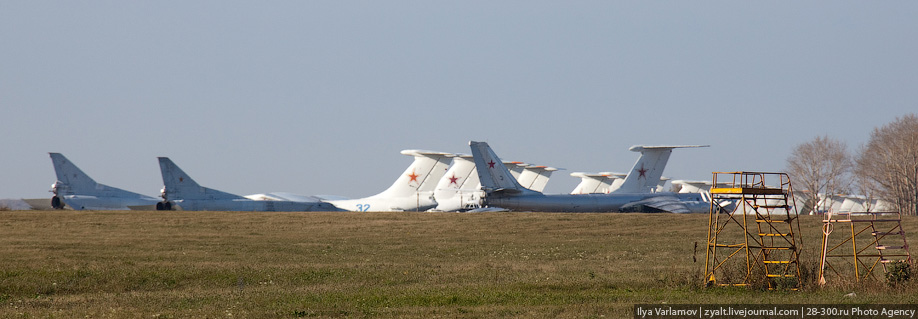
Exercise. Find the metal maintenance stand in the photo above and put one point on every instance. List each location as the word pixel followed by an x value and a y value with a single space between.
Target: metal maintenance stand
pixel 753 232
pixel 876 238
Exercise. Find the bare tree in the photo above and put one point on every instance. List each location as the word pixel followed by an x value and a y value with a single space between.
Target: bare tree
pixel 890 162
pixel 821 165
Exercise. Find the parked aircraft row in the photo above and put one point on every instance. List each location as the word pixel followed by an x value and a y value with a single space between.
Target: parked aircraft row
pixel 636 193
pixel 434 181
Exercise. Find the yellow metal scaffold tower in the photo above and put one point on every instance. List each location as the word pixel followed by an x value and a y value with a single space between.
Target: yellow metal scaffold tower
pixel 753 232
pixel 875 238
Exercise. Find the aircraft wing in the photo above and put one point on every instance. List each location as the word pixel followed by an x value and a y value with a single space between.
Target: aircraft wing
pixel 142 207
pixel 331 197
pixel 664 203
pixel 283 196
pixel 488 210
pixel 39 203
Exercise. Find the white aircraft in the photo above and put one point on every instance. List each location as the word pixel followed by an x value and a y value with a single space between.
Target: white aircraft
pixel 516 168
pixel 76 190
pixel 535 177
pixel 412 191
pixel 183 193
pixel 458 190
pixel 684 186
pixel 597 183
pixel 634 195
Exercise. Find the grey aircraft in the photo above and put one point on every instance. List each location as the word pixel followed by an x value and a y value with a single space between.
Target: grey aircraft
pixel 78 191
pixel 635 195
pixel 183 193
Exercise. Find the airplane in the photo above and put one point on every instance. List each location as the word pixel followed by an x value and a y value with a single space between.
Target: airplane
pixel 181 192
pixel 76 190
pixel 458 190
pixel 412 191
pixel 634 195
pixel 535 177
pixel 597 183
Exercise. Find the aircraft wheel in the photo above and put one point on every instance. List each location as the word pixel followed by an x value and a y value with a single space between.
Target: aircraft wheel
pixel 159 206
pixel 167 206
pixel 56 203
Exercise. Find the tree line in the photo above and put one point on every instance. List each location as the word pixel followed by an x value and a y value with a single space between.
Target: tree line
pixel 884 168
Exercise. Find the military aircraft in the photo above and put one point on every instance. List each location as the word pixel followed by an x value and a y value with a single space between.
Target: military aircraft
pixel 412 191
pixel 458 190
pixel 76 190
pixel 634 195
pixel 597 183
pixel 535 177
pixel 183 193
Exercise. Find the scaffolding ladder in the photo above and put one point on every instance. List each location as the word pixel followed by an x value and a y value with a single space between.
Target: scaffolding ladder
pixel 753 232
pixel 876 238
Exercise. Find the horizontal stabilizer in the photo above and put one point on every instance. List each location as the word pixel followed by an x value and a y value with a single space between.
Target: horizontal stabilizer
pixel 39 203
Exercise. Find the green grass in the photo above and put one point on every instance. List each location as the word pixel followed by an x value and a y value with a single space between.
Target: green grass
pixel 421 265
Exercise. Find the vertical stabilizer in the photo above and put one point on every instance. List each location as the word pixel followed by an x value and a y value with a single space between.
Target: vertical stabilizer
pixel 647 171
pixel 458 189
pixel 527 175
pixel 71 178
pixel 515 168
pixel 542 179
pixel 597 183
pixel 180 186
pixel 422 175
pixel 492 173
pixel 437 172
pixel 589 183
pixel 458 173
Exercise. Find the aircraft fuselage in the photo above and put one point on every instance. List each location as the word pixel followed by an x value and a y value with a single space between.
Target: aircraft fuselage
pixel 80 202
pixel 247 205
pixel 588 203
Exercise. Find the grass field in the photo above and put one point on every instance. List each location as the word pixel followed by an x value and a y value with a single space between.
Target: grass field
pixel 250 265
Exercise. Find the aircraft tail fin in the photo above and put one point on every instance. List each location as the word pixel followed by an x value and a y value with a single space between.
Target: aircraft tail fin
pixel 179 186
pixel 492 173
pixel 422 175
pixel 593 183
pixel 71 177
pixel 544 174
pixel 647 171
pixel 459 174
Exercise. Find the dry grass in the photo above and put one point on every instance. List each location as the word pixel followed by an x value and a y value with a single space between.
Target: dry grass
pixel 219 264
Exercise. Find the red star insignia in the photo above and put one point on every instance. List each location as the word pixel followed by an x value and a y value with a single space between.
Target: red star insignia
pixel 491 164
pixel 642 171
pixel 452 180
pixel 414 177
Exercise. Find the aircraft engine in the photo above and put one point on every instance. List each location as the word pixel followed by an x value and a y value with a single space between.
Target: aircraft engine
pixel 56 202
pixel 164 205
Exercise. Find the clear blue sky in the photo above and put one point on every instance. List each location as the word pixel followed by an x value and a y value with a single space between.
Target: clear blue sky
pixel 319 97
